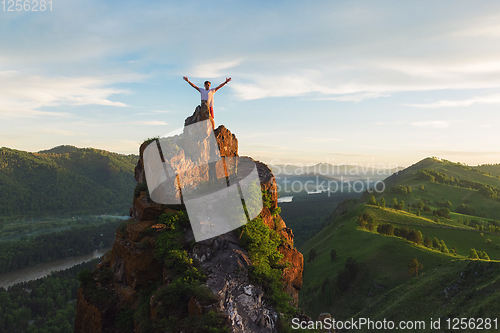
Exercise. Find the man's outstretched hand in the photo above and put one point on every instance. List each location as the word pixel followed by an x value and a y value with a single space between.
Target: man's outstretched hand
pixel 228 79
pixel 187 80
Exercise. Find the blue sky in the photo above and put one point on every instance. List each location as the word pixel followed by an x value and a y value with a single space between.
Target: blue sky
pixel 365 82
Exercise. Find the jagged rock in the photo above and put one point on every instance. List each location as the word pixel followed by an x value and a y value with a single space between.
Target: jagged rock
pixel 134 265
pixel 222 258
pixel 145 210
pixel 200 113
pixel 228 144
pixel 292 275
pixel 226 263
pixel 134 230
pixel 89 318
pixel 268 182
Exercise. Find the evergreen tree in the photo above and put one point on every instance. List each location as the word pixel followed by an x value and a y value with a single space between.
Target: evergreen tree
pixel 394 202
pixel 436 244
pixel 473 254
pixel 483 255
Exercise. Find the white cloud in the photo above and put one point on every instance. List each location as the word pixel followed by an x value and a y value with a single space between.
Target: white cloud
pixel 431 124
pixel 214 69
pixel 151 123
pixel 355 97
pixel 486 26
pixel 21 94
pixel 278 86
pixel 489 99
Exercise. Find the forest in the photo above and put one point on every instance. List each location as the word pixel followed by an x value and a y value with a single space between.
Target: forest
pixel 83 180
pixel 46 305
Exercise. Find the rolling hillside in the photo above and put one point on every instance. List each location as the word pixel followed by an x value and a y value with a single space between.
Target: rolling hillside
pixel 423 218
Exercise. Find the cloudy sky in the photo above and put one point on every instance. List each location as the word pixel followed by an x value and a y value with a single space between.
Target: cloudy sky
pixel 336 81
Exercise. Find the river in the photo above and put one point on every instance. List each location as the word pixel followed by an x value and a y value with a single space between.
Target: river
pixel 41 270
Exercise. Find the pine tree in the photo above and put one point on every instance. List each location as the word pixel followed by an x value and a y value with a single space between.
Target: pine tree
pixel 473 254
pixel 382 203
pixel 372 201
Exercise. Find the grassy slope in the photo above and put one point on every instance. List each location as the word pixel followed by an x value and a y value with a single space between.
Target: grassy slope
pixel 494 170
pixel 453 233
pixel 459 289
pixel 383 260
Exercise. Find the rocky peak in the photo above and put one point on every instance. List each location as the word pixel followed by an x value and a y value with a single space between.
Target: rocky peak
pixel 131 267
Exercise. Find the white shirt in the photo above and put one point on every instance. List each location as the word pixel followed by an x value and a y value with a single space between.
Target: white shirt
pixel 208 95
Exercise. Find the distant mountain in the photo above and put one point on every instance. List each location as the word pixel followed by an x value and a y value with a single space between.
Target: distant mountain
pixel 59 150
pixel 330 171
pixel 64 179
pixel 436 181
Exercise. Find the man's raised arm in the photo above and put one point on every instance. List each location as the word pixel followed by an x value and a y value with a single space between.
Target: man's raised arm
pixel 191 83
pixel 222 84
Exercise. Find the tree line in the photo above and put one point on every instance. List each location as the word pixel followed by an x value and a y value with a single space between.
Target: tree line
pixel 485 190
pixel 365 221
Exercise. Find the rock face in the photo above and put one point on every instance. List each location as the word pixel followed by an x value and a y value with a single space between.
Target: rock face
pixel 226 263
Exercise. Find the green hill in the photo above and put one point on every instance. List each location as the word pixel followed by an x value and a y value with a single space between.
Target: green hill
pixel 369 271
pixel 64 179
pixel 59 150
pixel 492 169
pixel 459 289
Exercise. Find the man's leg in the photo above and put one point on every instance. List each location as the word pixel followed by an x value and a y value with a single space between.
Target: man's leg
pixel 212 117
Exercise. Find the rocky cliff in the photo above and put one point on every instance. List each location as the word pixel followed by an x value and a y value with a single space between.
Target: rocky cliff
pixel 140 287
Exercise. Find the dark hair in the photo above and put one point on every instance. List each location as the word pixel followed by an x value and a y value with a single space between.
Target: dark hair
pixel 207 82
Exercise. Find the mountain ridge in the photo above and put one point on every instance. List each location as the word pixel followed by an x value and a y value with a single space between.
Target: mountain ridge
pixel 82 180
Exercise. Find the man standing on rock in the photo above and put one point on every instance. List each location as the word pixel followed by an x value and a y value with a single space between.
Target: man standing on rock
pixel 207 96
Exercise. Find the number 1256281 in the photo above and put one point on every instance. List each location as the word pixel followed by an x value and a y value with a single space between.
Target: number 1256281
pixel 26 5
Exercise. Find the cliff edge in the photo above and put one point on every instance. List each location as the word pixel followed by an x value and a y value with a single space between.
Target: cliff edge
pixel 157 278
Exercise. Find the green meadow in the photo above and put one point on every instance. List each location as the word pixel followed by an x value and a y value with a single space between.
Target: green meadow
pixel 378 280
